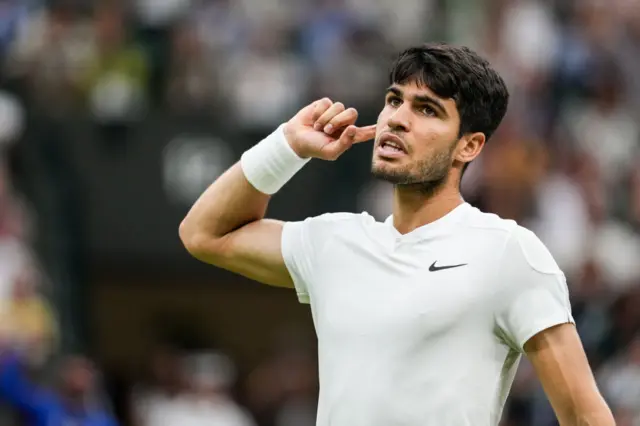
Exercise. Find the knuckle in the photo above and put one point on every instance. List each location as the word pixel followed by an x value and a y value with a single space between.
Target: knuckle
pixel 353 113
pixel 337 120
pixel 339 106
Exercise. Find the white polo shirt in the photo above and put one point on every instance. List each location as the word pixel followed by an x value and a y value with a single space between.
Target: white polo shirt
pixel 425 328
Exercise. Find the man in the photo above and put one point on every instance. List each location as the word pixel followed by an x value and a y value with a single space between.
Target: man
pixel 72 403
pixel 422 319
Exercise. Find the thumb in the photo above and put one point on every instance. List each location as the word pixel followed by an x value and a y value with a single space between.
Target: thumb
pixel 364 134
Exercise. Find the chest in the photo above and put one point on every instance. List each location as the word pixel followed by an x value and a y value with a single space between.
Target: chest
pixel 402 291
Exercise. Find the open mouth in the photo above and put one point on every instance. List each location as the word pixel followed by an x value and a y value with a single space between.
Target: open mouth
pixel 391 146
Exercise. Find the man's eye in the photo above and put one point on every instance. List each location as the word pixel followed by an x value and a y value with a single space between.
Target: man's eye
pixel 394 102
pixel 428 111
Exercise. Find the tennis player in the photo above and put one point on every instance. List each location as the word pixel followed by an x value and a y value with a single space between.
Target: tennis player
pixel 422 319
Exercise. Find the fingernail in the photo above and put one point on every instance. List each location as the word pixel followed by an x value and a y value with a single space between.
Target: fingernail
pixel 352 133
pixel 317 126
pixel 328 128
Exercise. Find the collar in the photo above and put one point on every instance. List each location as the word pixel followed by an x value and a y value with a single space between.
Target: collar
pixel 431 228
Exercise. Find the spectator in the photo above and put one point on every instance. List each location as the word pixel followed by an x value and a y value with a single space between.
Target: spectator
pixel 48 56
pixel 27 322
pixel 72 402
pixel 193 76
pixel 620 381
pixel 115 82
pixel 190 391
pixel 282 390
pixel 152 400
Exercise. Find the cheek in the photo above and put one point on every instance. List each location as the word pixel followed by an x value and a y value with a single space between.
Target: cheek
pixel 434 136
pixel 383 118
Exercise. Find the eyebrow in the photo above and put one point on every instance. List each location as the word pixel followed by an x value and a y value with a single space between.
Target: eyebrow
pixel 420 99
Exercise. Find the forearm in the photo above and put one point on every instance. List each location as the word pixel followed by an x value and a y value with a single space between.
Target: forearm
pixel 224 226
pixel 228 204
pixel 600 418
pixel 596 413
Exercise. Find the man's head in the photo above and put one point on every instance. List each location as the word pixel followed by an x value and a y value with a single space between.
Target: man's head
pixel 77 375
pixel 442 105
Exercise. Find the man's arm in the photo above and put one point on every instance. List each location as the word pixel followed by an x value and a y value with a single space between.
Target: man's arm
pixel 226 226
pixel 535 319
pixel 561 365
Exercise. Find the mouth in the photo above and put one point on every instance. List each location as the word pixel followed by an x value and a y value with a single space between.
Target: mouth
pixel 391 146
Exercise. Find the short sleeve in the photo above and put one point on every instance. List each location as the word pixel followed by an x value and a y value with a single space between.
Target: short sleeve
pixel 534 294
pixel 302 244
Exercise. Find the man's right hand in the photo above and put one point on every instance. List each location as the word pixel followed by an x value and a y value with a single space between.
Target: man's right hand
pixel 325 130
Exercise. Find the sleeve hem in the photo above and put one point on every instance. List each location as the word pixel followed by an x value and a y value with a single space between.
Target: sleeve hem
pixel 544 325
pixel 290 261
pixel 304 298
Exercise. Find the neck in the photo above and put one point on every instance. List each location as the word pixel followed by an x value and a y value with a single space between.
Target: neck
pixel 413 207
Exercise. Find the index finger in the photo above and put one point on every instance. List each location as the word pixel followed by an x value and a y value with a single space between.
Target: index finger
pixel 365 133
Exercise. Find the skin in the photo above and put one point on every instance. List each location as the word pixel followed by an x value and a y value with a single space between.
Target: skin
pixel 226 226
pixel 428 178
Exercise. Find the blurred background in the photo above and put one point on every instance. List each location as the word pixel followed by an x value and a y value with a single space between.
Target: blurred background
pixel 115 116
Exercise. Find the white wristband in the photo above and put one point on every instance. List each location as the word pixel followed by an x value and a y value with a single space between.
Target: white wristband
pixel 271 163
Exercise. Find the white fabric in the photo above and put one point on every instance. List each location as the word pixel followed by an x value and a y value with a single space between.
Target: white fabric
pixel 402 345
pixel 271 163
pixel 161 12
pixel 187 410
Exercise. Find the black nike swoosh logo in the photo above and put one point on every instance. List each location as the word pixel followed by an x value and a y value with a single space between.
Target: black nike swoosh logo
pixel 434 268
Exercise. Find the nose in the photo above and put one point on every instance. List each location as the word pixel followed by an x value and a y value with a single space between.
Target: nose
pixel 400 119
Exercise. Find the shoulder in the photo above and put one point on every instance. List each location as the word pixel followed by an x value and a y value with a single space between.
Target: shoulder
pixel 520 246
pixel 477 219
pixel 526 246
pixel 314 232
pixel 487 232
pixel 341 217
pixel 331 221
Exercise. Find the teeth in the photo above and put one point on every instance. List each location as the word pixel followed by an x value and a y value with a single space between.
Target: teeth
pixel 393 145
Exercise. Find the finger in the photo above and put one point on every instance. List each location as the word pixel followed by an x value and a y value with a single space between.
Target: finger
pixel 328 115
pixel 306 114
pixel 334 149
pixel 320 107
pixel 365 133
pixel 340 121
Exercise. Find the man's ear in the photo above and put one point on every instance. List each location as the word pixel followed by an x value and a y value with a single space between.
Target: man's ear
pixel 470 146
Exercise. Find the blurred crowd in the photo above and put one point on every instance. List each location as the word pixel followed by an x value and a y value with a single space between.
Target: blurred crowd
pixel 190 386
pixel 564 162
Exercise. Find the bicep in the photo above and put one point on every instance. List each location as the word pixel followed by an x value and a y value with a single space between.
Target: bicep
pixel 562 367
pixel 254 251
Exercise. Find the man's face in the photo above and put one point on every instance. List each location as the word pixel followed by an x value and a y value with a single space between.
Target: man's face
pixel 77 375
pixel 416 135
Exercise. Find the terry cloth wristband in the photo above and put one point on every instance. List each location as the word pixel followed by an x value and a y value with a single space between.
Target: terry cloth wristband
pixel 271 163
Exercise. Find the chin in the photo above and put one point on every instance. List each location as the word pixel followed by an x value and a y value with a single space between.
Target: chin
pixel 382 170
pixel 388 163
